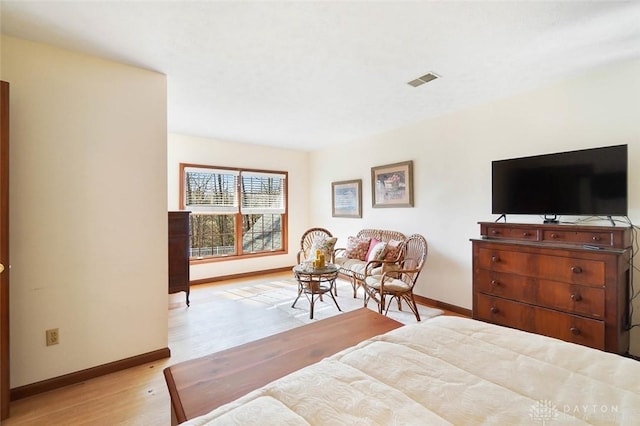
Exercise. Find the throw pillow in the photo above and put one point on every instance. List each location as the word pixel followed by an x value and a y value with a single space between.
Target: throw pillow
pixel 325 245
pixel 393 250
pixel 357 248
pixel 372 244
pixel 377 252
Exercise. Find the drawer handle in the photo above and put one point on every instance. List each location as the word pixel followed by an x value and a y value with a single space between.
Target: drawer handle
pixel 554 235
pixel 576 297
pixel 495 259
pixel 595 238
pixel 525 234
pixel 575 331
pixel 494 283
pixel 494 310
pixel 576 269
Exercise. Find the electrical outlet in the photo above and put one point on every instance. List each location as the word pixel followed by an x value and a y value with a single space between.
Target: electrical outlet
pixel 53 337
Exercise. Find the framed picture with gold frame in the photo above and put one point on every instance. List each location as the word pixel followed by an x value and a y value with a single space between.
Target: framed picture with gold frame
pixel 392 185
pixel 346 198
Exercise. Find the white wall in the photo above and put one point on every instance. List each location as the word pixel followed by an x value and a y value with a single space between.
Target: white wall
pixel 88 198
pixel 197 150
pixel 452 167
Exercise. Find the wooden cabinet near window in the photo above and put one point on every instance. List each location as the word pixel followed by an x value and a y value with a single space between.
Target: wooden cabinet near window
pixel 570 282
pixel 179 252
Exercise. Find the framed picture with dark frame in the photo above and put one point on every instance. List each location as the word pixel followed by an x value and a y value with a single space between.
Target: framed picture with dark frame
pixel 392 185
pixel 346 198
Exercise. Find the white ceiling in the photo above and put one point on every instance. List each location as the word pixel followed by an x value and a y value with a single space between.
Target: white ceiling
pixel 305 75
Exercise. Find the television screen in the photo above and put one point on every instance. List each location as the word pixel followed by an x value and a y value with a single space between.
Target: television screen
pixel 582 183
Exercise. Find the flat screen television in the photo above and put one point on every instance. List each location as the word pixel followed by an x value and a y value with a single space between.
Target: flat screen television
pixel 588 182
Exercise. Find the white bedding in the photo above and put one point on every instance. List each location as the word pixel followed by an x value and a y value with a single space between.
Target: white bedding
pixel 448 370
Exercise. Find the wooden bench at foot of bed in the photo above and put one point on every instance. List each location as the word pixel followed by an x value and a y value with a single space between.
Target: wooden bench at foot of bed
pixel 202 384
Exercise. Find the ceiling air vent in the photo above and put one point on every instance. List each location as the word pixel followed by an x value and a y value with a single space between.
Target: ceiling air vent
pixel 424 79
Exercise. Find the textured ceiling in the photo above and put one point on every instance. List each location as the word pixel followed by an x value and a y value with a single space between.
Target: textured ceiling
pixel 307 74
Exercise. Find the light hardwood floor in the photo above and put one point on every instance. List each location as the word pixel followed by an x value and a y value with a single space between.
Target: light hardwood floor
pixel 139 396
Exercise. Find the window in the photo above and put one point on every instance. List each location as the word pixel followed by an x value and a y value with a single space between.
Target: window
pixel 234 212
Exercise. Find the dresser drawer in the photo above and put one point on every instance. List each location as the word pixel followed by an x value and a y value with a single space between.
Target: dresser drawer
pixel 503 312
pixel 571 298
pixel 509 286
pixel 555 268
pixel 577 299
pixel 599 238
pixel 515 233
pixel 571 328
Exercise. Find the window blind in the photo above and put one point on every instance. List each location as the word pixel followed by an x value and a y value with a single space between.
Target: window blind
pixel 211 190
pixel 262 193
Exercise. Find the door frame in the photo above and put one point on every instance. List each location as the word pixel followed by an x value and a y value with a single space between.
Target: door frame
pixel 4 250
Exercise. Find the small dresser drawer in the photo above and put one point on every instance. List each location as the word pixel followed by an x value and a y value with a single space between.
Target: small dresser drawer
pixel 515 233
pixel 603 239
pixel 555 268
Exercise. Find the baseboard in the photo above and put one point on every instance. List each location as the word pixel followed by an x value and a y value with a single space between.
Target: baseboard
pixel 90 373
pixel 436 303
pixel 241 275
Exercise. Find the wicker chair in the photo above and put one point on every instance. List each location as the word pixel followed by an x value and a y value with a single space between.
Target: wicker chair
pixel 306 243
pixel 307 240
pixel 398 281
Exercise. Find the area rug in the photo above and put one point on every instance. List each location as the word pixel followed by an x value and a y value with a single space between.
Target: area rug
pixel 280 294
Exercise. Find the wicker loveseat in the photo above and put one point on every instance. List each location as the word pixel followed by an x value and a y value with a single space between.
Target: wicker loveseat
pixel 353 268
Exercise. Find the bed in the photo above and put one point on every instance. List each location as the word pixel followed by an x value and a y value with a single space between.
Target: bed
pixel 448 370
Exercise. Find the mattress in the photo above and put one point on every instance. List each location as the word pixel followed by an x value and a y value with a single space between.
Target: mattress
pixel 448 370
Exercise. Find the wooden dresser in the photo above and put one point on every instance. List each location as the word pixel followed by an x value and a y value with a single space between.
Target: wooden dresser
pixel 570 282
pixel 179 252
